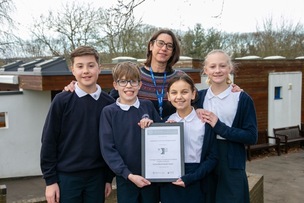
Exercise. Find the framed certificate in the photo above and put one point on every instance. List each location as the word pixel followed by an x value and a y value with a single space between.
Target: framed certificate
pixel 163 152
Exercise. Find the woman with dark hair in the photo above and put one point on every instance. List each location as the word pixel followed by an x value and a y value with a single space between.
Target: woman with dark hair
pixel 163 52
pixel 175 49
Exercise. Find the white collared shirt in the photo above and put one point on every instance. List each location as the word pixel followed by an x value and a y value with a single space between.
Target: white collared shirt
pixel 194 131
pixel 223 105
pixel 81 93
pixel 126 107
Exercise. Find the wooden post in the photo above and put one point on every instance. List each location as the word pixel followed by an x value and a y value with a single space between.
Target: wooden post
pixel 256 187
pixel 2 193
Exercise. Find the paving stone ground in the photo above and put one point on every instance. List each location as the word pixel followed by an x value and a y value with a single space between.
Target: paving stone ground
pixel 283 179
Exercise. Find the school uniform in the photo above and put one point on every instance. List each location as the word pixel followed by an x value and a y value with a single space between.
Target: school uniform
pixel 120 137
pixel 236 127
pixel 70 152
pixel 200 159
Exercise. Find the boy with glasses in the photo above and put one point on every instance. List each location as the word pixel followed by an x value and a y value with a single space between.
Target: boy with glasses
pixel 120 136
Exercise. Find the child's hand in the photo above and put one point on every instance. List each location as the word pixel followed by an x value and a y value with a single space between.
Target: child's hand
pixel 139 181
pixel 179 182
pixel 209 117
pixel 236 88
pixel 170 121
pixel 200 113
pixel 108 189
pixel 145 122
pixel 70 87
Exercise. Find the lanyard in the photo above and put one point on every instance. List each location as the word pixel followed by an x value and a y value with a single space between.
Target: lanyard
pixel 160 95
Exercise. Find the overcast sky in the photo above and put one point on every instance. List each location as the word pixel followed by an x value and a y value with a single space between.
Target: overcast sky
pixel 236 15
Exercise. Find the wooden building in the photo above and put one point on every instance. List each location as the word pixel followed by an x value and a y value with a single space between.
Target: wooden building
pixel 253 76
pixel 27 89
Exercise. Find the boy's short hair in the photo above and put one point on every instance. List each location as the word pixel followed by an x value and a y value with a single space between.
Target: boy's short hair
pixel 84 51
pixel 126 69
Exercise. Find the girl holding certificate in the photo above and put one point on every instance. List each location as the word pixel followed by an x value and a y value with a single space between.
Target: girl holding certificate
pixel 199 145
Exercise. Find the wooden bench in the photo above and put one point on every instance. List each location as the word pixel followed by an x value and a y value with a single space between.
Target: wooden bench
pixel 288 135
pixel 263 143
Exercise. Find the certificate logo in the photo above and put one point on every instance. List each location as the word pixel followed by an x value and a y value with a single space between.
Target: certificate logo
pixel 163 150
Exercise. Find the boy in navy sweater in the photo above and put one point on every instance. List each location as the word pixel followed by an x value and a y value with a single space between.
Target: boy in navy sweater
pixel 120 136
pixel 71 162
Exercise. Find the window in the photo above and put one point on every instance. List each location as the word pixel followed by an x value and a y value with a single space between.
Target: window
pixel 277 92
pixel 3 120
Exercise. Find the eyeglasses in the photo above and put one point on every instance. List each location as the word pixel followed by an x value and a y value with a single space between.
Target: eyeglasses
pixel 124 83
pixel 161 43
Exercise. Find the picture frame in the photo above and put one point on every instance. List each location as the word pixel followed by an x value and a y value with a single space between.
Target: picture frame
pixel 162 152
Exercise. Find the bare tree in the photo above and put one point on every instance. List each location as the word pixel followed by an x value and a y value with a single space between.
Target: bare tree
pixel 6 6
pixel 122 33
pixel 73 25
pixel 114 31
pixel 6 22
pixel 284 39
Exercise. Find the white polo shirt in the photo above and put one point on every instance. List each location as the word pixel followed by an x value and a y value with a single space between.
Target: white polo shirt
pixel 194 130
pixel 223 105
